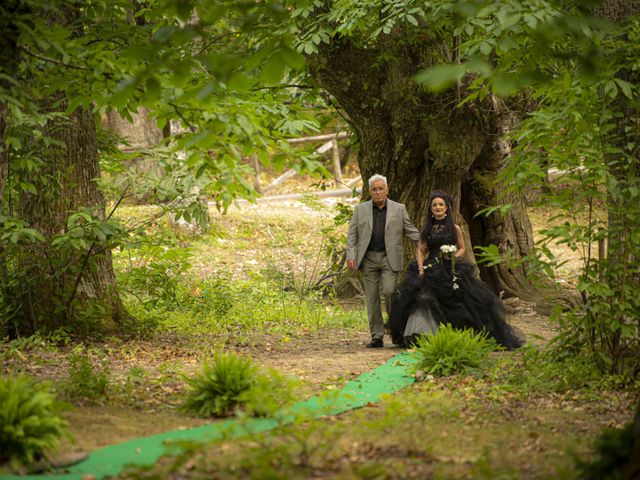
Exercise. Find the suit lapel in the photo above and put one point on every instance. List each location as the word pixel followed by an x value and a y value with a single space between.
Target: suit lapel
pixel 369 212
pixel 390 212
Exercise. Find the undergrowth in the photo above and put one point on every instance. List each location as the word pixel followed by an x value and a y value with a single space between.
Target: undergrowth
pixel 240 309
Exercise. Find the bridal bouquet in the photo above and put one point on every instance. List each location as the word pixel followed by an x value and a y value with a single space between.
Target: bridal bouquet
pixel 450 251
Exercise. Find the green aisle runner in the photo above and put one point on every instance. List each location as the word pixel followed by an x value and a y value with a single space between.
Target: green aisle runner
pixel 367 388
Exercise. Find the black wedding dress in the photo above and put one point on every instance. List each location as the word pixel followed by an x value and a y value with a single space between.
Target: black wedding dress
pixel 457 298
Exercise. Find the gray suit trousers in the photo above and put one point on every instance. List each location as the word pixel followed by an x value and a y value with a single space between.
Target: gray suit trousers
pixel 377 272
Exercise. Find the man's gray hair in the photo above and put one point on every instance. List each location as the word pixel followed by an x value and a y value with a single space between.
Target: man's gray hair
pixel 377 178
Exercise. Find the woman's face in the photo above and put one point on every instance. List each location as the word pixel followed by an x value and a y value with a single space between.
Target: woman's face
pixel 438 208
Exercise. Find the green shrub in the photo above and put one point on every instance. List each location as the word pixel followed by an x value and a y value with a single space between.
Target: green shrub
pixel 86 381
pixel 613 455
pixel 452 351
pixel 28 420
pixel 232 382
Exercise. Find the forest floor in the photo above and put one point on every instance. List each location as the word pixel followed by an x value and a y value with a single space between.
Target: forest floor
pixel 147 372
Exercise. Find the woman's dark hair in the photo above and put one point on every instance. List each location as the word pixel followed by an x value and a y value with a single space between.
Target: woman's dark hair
pixel 448 220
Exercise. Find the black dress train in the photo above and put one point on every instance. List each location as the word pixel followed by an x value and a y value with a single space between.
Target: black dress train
pixel 455 297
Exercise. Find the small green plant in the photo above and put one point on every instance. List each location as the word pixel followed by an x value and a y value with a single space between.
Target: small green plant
pixel 29 422
pixel 86 381
pixel 451 351
pixel 234 382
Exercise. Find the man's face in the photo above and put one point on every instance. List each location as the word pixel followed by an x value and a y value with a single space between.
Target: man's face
pixel 379 192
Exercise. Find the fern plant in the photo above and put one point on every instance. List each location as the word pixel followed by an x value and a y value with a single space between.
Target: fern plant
pixel 451 351
pixel 234 382
pixel 29 424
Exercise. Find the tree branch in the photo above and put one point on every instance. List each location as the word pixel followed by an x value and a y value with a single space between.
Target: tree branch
pixel 278 87
pixel 53 60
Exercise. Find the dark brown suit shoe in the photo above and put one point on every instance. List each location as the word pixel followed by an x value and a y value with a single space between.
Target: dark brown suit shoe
pixel 375 343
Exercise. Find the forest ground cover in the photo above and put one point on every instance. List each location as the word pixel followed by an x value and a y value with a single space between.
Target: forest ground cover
pixel 244 287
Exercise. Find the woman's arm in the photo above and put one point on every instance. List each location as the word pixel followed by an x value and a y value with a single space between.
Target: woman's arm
pixel 459 242
pixel 420 253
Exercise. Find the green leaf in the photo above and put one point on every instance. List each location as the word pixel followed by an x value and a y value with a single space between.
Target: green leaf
pixel 505 85
pixel 153 88
pixel 13 142
pixel 28 187
pixel 626 87
pixel 440 77
pixel 240 82
pixel 163 34
pixel 610 89
pixel 273 71
pixel 485 48
pixel 245 124
pixel 292 58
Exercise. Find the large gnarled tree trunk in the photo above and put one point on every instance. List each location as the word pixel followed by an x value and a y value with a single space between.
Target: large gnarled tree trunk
pixel 421 142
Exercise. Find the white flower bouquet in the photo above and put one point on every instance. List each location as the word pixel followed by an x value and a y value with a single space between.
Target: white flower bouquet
pixel 450 252
pixel 448 249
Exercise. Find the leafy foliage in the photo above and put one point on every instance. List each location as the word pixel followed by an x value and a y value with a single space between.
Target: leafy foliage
pixel 30 422
pixel 232 382
pixel 211 69
pixel 450 351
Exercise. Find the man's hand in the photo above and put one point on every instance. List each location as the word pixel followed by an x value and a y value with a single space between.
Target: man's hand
pixel 351 264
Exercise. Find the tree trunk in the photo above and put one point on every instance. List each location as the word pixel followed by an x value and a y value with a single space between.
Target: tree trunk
pixel 65 184
pixel 141 132
pixel 421 142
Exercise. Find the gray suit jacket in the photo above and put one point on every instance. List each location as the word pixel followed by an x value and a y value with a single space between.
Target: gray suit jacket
pixel 397 225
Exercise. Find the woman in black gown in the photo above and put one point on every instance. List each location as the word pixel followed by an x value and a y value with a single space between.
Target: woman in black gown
pixel 445 290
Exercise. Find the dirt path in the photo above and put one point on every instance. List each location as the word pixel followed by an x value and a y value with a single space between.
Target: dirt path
pixel 321 358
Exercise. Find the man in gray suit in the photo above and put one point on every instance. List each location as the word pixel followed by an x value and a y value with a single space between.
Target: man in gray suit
pixel 374 246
